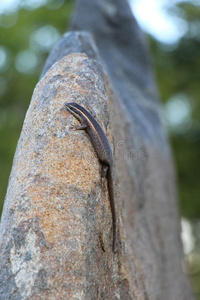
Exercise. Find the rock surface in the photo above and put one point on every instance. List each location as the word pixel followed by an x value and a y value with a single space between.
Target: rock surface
pixel 144 165
pixel 56 225
pixel 72 42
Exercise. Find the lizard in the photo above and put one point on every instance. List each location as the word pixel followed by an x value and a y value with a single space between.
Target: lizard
pixel 103 150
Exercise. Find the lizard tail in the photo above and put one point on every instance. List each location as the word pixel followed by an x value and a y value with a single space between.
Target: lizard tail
pixel 112 205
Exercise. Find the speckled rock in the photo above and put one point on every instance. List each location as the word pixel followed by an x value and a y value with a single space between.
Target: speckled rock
pixel 72 42
pixel 144 165
pixel 56 226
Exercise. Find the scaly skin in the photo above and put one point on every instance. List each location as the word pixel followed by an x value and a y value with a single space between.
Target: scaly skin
pixel 103 149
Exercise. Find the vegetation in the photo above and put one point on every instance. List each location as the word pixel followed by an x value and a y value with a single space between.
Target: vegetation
pixel 27 35
pixel 178 76
pixel 28 32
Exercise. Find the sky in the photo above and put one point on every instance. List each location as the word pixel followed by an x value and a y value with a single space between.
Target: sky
pixel 160 18
pixel 151 15
pixel 156 17
pixel 156 20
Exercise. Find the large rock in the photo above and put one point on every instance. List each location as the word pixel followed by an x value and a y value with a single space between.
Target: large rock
pixel 56 226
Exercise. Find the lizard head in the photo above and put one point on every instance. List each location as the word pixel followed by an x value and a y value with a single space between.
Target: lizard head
pixel 75 109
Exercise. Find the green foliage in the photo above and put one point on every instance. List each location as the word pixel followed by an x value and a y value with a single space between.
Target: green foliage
pixel 16 87
pixel 177 71
pixel 187 161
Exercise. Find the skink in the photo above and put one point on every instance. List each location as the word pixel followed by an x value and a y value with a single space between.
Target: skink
pixel 103 149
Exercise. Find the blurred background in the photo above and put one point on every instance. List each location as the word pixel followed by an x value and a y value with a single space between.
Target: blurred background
pixel 28 31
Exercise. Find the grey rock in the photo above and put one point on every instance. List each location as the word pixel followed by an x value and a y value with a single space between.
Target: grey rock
pixel 71 42
pixel 56 222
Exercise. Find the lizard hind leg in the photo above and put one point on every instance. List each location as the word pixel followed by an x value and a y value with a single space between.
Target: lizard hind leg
pixel 104 171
